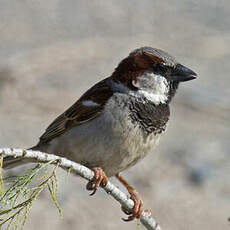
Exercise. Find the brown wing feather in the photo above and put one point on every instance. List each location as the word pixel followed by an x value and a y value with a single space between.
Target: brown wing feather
pixel 78 113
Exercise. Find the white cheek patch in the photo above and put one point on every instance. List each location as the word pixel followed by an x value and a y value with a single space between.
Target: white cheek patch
pixel 155 98
pixel 89 103
pixel 153 87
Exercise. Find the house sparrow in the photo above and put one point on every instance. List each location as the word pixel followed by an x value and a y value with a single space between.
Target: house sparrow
pixel 118 121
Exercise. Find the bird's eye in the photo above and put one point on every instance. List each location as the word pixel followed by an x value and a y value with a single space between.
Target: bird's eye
pixel 161 68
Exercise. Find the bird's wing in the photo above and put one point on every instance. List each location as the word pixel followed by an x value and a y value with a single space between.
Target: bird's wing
pixel 88 107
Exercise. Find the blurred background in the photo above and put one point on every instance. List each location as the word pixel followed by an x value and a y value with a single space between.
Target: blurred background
pixel 53 51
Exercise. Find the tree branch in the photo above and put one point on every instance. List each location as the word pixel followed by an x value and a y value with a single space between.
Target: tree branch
pixel 86 173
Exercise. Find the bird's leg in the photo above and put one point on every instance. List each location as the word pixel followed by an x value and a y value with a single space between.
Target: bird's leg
pixel 138 203
pixel 99 179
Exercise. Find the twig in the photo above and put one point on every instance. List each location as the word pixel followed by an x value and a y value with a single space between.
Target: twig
pixel 75 168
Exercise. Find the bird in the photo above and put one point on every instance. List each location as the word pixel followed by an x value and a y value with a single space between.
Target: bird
pixel 119 120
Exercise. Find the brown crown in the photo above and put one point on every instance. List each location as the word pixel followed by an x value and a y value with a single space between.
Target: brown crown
pixel 133 66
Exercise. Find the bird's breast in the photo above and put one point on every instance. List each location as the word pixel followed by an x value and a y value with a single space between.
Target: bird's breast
pixel 115 140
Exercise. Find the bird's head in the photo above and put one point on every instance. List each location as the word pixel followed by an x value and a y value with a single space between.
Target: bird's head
pixel 151 73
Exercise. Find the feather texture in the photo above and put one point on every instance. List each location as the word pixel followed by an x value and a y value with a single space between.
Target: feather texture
pixel 79 113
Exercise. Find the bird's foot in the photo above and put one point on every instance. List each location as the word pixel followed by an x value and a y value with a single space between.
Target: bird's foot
pixel 138 203
pixel 137 208
pixel 99 179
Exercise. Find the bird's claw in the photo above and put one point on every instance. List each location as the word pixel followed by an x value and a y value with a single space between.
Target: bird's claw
pixel 99 179
pixel 137 208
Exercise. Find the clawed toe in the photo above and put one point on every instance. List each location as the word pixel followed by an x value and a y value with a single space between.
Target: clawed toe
pixel 99 179
pixel 137 208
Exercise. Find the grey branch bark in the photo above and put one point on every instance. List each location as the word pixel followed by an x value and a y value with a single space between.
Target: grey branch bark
pixel 146 218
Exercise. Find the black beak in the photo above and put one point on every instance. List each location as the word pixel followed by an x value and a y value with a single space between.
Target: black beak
pixel 182 73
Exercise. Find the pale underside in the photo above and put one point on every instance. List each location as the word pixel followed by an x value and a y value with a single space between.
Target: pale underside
pixel 110 141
